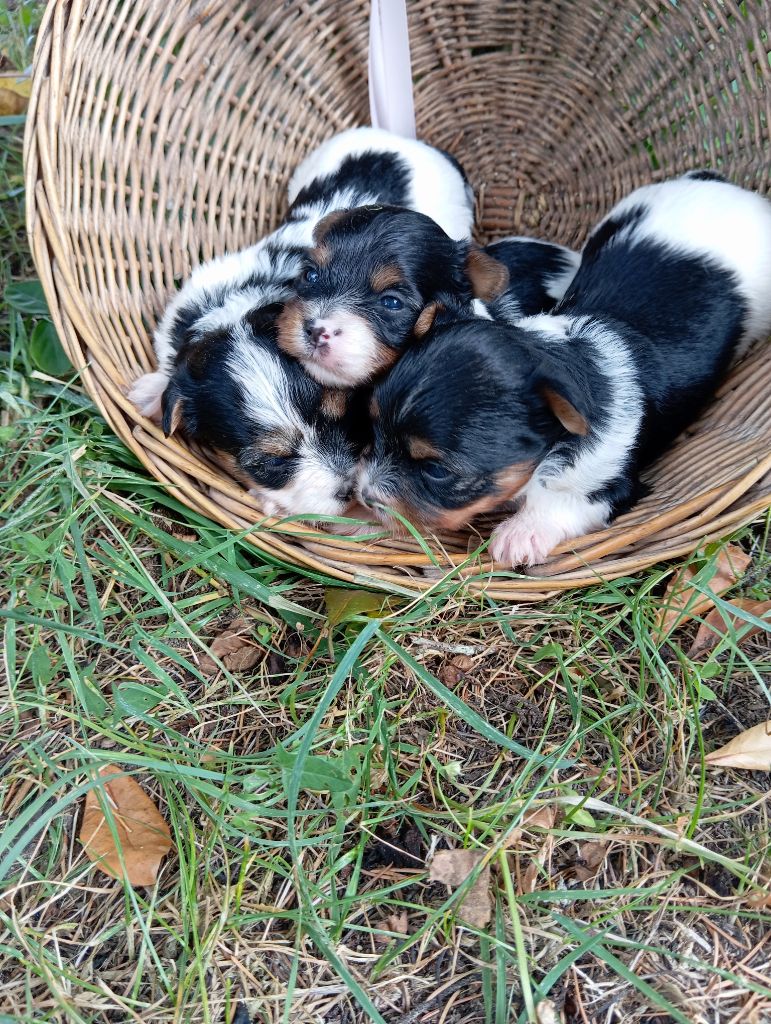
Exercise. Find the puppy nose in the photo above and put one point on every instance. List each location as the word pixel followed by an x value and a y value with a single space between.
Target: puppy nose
pixel 345 493
pixel 319 335
pixel 367 496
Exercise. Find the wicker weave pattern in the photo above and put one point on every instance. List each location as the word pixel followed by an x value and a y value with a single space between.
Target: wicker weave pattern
pixel 161 134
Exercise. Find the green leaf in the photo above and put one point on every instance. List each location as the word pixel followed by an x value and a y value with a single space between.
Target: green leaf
pixel 706 692
pixel 319 774
pixel 46 350
pixel 40 665
pixel 92 700
pixel 27 297
pixel 343 604
pixel 135 699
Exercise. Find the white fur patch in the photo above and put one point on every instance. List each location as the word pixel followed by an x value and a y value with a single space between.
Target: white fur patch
pixel 558 284
pixel 480 309
pixel 716 220
pixel 437 187
pixel 265 387
pixel 350 357
pixel 146 393
pixel 311 491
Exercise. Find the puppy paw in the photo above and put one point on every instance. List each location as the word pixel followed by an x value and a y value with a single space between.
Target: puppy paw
pixel 522 540
pixel 146 393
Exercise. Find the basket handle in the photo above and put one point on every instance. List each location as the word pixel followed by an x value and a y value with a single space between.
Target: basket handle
pixel 391 104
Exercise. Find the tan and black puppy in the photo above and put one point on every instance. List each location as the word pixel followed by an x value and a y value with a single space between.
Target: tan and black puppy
pixel 370 286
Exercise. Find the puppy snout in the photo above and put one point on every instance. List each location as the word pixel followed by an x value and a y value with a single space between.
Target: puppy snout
pixel 367 496
pixel 345 493
pixel 320 333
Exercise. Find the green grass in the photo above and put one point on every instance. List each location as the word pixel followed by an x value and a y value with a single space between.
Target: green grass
pixel 304 794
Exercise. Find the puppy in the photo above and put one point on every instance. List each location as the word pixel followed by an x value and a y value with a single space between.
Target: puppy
pixel 371 285
pixel 539 275
pixel 559 413
pixel 235 300
pixel 295 446
pixel 358 167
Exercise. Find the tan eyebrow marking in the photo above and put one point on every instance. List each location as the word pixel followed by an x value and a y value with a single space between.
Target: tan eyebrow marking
pixel 419 448
pixel 386 277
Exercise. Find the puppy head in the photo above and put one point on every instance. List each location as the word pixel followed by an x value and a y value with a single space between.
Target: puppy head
pixel 362 293
pixel 461 423
pixel 236 392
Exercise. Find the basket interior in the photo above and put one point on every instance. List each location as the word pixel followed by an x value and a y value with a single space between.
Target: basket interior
pixel 163 134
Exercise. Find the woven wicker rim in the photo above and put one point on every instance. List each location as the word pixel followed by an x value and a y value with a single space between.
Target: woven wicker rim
pixel 162 134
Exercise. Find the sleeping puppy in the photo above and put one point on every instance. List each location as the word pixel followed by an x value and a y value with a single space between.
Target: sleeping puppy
pixel 238 297
pixel 539 275
pixel 294 445
pixel 370 286
pixel 560 413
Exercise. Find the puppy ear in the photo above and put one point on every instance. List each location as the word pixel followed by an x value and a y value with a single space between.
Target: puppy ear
pixel 325 225
pixel 566 395
pixel 489 278
pixel 426 319
pixel 564 410
pixel 172 409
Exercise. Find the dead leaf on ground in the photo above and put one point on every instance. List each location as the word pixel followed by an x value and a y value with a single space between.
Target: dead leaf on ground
pixel 591 857
pixel 14 93
pixel 750 749
pixel 397 923
pixel 142 835
pixel 454 671
pixel 534 817
pixel 453 868
pixel 715 627
pixel 546 1013
pixel 235 647
pixel 730 566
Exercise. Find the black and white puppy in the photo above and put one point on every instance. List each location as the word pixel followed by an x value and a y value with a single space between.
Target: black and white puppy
pixel 369 287
pixel 220 374
pixel 560 413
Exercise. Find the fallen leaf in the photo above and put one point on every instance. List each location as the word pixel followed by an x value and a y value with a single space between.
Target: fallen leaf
pixel 142 835
pixel 535 817
pixel 591 857
pixel 715 627
pixel 235 647
pixel 453 868
pixel 14 93
pixel 343 605
pixel 397 923
pixel 452 672
pixel 730 566
pixel 750 749
pixel 546 1013
pixel 760 900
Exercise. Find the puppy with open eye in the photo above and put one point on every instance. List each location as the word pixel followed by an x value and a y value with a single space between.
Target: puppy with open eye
pixel 355 168
pixel 294 445
pixel 372 284
pixel 560 413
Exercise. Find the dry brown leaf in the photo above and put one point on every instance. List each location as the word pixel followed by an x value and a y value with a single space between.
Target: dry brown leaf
pixel 14 93
pixel 397 923
pixel 535 817
pixel 760 900
pixel 591 856
pixel 235 647
pixel 454 671
pixel 453 868
pixel 141 832
pixel 750 749
pixel 730 566
pixel 546 1013
pixel 714 627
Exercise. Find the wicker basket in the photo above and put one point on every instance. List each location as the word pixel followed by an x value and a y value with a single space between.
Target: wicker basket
pixel 161 134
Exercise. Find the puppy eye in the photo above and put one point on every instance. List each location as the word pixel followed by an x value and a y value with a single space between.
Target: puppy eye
pixel 311 275
pixel 435 471
pixel 275 461
pixel 391 302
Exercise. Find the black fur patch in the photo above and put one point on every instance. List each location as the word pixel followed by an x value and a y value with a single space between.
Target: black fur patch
pixel 705 175
pixel 385 174
pixel 532 266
